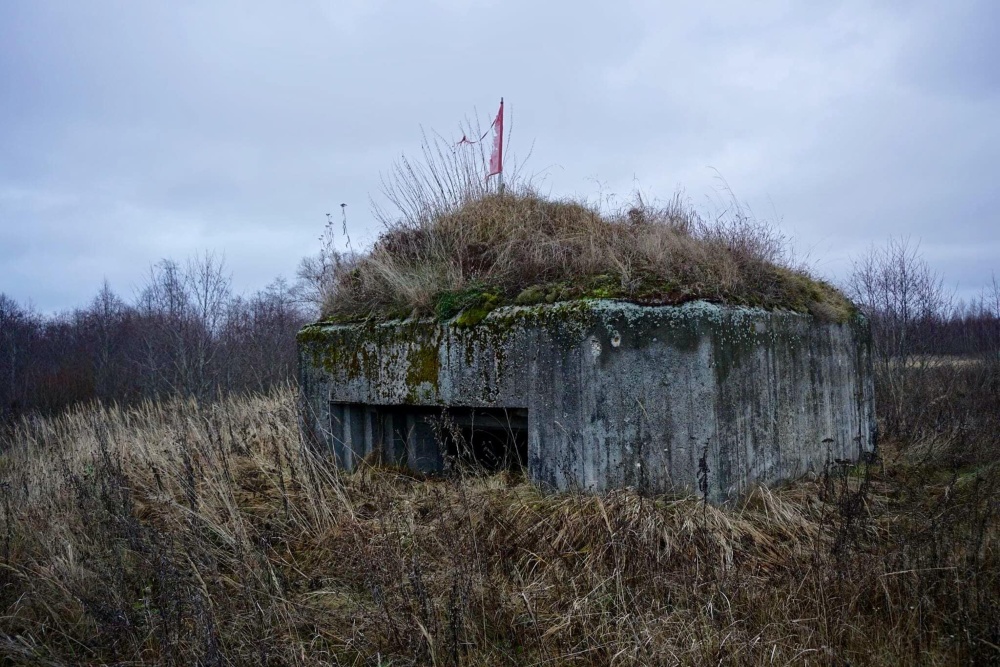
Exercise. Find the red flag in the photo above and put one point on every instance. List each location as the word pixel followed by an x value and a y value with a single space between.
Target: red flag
pixel 496 158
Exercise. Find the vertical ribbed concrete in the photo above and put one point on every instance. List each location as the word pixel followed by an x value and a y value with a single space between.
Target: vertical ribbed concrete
pixel 696 398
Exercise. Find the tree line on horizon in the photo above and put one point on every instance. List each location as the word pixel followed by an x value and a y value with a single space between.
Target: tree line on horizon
pixel 187 333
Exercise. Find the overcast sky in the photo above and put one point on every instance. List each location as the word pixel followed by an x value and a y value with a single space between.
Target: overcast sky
pixel 136 130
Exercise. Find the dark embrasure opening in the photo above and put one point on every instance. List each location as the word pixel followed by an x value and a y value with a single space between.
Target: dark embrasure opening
pixel 431 439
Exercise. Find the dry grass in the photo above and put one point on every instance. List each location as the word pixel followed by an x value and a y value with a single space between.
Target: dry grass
pixel 520 247
pixel 179 534
pixel 454 242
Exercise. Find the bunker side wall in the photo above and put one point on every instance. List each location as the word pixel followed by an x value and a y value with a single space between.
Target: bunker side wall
pixel 705 400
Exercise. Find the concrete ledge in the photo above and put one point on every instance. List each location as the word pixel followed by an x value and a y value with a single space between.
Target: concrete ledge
pixel 669 399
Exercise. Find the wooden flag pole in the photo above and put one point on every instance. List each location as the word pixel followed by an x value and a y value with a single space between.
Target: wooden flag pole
pixel 500 147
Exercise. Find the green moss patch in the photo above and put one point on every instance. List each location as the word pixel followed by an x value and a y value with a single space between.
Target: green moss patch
pixel 467 306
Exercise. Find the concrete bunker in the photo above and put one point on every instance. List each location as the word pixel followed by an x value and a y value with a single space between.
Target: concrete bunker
pixel 597 394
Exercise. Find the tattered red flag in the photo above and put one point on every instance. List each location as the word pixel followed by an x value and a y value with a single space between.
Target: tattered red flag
pixel 496 158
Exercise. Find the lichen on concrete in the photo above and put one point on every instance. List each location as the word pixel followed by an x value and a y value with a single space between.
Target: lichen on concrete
pixel 692 398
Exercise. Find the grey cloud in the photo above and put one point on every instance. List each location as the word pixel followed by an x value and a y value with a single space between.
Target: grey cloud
pixel 133 131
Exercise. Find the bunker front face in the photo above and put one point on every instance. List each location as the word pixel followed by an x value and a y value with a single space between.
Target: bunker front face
pixel 595 395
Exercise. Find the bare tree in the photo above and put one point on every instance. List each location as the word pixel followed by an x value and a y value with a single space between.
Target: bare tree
pixel 896 287
pixel 13 320
pixel 184 310
pixel 209 288
pixel 165 309
pixel 105 320
pixel 259 337
pixel 903 298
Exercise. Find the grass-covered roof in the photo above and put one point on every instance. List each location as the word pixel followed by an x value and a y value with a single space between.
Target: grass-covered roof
pixel 455 243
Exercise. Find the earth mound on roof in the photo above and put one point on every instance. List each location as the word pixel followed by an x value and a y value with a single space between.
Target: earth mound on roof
pixel 521 248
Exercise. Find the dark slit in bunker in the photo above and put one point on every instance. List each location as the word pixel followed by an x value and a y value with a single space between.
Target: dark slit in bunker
pixel 430 439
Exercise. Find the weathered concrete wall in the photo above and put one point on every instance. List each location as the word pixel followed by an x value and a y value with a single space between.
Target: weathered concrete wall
pixel 696 398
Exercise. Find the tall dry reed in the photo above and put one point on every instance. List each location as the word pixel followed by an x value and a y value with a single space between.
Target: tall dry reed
pixel 177 533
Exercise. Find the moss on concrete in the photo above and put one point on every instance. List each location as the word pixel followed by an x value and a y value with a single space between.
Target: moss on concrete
pixel 420 347
pixel 423 369
pixel 779 289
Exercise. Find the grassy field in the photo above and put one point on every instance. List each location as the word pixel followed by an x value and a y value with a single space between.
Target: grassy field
pixel 180 534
